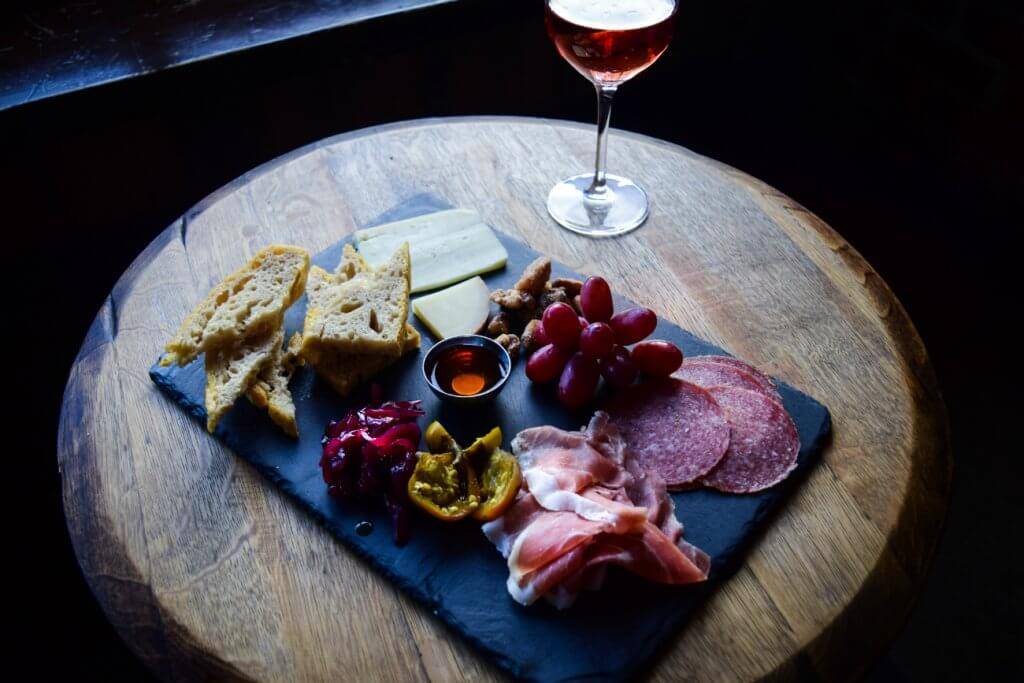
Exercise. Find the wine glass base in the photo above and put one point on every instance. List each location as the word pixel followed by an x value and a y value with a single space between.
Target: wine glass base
pixel 622 208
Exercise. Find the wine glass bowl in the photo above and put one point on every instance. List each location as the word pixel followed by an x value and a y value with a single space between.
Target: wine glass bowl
pixel 633 36
pixel 608 42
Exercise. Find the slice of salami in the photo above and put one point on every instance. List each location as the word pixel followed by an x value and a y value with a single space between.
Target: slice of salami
pixel 710 371
pixel 672 427
pixel 764 443
pixel 739 364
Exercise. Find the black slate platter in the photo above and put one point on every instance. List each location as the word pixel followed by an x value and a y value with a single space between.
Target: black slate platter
pixel 453 569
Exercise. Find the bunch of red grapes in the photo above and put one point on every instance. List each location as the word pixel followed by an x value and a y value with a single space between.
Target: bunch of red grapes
pixel 578 351
pixel 372 451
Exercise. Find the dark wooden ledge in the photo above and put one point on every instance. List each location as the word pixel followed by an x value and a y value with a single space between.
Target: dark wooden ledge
pixel 51 48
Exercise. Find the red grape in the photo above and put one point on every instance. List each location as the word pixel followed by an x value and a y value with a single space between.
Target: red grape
pixel 633 325
pixel 546 363
pixel 562 325
pixel 578 381
pixel 618 369
pixel 596 300
pixel 597 340
pixel 657 357
pixel 541 336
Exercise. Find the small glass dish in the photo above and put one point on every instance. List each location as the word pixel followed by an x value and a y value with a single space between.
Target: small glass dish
pixel 471 355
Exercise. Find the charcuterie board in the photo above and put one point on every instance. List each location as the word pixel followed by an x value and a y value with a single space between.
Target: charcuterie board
pixel 453 569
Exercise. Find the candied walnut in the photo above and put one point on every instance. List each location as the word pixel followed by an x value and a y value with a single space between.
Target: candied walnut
pixel 521 318
pixel 514 299
pixel 571 287
pixel 530 339
pixel 554 295
pixel 535 276
pixel 500 323
pixel 577 303
pixel 511 344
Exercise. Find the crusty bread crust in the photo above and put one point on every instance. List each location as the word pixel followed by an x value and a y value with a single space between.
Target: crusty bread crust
pixel 360 310
pixel 249 303
pixel 270 390
pixel 345 372
pixel 230 372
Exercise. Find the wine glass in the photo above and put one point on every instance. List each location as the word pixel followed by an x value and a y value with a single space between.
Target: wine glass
pixel 609 42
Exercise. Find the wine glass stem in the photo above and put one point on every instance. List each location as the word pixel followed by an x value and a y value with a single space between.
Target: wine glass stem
pixel 598 190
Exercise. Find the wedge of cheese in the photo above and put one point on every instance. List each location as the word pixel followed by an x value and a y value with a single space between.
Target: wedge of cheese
pixel 459 309
pixel 446 247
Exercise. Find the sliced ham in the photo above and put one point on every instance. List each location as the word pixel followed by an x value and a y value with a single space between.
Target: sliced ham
pixel 650 555
pixel 586 503
pixel 558 469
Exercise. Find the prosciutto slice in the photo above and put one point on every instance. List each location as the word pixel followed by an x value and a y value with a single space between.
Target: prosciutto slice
pixel 561 469
pixel 587 504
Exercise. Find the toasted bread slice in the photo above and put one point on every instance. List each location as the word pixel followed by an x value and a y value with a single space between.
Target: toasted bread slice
pixel 270 390
pixel 320 283
pixel 362 315
pixel 248 304
pixel 344 372
pixel 230 372
pixel 352 263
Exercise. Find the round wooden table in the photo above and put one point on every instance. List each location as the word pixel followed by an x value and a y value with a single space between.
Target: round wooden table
pixel 208 570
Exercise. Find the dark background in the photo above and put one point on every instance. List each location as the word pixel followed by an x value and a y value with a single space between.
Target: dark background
pixel 899 123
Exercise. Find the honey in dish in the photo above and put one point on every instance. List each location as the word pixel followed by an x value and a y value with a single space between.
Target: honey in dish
pixel 466 370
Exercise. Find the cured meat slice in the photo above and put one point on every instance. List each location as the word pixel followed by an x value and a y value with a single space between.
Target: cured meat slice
pixel 763 379
pixel 709 371
pixel 764 445
pixel 554 542
pixel 526 589
pixel 589 578
pixel 648 490
pixel 504 530
pixel 549 537
pixel 672 427
pixel 558 466
pixel 650 554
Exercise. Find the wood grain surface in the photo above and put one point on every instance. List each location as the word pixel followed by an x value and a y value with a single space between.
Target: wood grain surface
pixel 209 571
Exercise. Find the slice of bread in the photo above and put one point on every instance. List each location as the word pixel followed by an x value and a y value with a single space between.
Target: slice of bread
pixel 344 372
pixel 231 371
pixel 320 283
pixel 362 315
pixel 352 263
pixel 248 304
pixel 270 390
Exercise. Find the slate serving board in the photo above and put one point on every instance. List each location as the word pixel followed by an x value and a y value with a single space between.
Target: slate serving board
pixel 453 569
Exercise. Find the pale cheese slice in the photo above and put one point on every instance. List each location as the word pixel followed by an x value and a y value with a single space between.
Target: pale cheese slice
pixel 459 309
pixel 446 247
